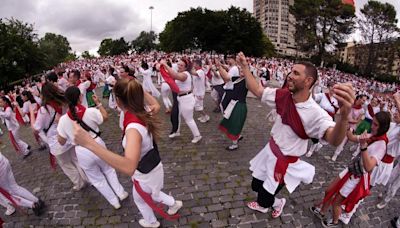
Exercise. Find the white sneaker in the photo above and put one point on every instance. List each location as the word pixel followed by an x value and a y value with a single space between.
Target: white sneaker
pixel 200 118
pixel 123 196
pixel 197 139
pixel 205 119
pixel 256 207
pixel 173 135
pixel 143 223
pixel 10 210
pixel 334 157
pixel 345 217
pixel 381 205
pixel 318 147
pixel 116 206
pixel 175 208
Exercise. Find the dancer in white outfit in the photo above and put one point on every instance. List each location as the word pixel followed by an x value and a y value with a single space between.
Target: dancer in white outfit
pixel 13 127
pixel 99 173
pixel 185 97
pixel 19 196
pixel 141 159
pixel 148 85
pixel 46 121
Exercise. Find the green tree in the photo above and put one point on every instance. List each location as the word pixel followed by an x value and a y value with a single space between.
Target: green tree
pixel 321 24
pixel 55 47
pixel 113 47
pixel 19 51
pixel 227 31
pixel 87 55
pixel 144 42
pixel 105 47
pixel 377 24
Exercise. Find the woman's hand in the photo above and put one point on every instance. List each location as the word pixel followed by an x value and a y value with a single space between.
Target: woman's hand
pixel 95 99
pixel 363 139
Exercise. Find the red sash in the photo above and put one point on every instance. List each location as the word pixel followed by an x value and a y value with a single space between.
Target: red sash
pixel 18 117
pixel 132 118
pixel 360 191
pixel 334 107
pixel 169 80
pixel 357 106
pixel 9 197
pixel 91 87
pixel 371 111
pixel 282 162
pixel 56 107
pixel 80 111
pixel 286 108
pixel 387 159
pixel 78 83
pixel 14 142
pixel 209 76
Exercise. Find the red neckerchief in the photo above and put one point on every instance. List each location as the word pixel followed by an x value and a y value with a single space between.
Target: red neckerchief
pixel 209 76
pixel 286 108
pixel 92 86
pixel 357 106
pixel 78 83
pixel 371 111
pixel 80 111
pixel 56 107
pixel 377 138
pixel 169 80
pixel 131 118
pixel 330 101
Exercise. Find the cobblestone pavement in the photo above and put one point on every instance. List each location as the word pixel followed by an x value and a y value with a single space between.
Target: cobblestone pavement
pixel 213 183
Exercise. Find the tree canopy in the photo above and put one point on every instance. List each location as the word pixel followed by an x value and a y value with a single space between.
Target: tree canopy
pixel 55 47
pixel 112 47
pixel 144 42
pixel 224 31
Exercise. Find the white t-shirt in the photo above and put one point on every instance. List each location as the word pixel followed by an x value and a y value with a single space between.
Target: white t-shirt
pixel 92 117
pixel 147 139
pixel 234 71
pixel 199 87
pixel 63 84
pixel 27 104
pixel 185 86
pixel 9 117
pixel 83 88
pixel 323 101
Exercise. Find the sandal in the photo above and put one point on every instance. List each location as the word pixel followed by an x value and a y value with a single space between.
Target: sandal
pixel 277 212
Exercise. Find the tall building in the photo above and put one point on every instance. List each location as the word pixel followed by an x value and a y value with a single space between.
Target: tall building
pixel 277 23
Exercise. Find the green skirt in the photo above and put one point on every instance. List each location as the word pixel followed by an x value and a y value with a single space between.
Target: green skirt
pixel 106 91
pixel 233 126
pixel 89 99
pixel 365 125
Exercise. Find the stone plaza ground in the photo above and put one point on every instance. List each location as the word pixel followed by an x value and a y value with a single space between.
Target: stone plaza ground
pixel 214 184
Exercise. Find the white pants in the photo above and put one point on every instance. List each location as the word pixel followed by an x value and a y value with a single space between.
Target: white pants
pixel 394 183
pixel 186 107
pixel 102 176
pixel 22 197
pixel 23 146
pixel 69 165
pixel 165 91
pixel 144 208
pixel 4 201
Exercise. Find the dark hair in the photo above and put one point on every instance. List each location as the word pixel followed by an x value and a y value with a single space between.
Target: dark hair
pixel 144 65
pixel 198 62
pixel 358 97
pixel 51 93
pixel 130 94
pixel 188 65
pixel 126 68
pixel 310 70
pixel 5 99
pixel 29 95
pixel 72 95
pixel 383 119
pixel 76 74
pixel 52 77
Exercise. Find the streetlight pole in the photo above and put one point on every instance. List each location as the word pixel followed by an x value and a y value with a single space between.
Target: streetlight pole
pixel 151 18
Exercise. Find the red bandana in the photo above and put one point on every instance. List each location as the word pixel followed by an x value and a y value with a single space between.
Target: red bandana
pixel 80 110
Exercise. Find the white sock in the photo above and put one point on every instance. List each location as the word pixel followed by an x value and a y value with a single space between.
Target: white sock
pixel 277 202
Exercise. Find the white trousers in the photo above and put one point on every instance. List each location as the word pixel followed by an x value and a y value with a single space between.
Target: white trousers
pixel 23 146
pixel 394 184
pixel 186 107
pixel 102 176
pixel 22 197
pixel 70 166
pixel 4 201
pixel 144 208
pixel 165 91
pixel 339 149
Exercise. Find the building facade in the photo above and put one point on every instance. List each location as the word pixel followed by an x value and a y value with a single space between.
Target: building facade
pixel 277 23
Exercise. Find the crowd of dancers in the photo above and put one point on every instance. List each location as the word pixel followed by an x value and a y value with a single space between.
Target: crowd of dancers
pixel 310 108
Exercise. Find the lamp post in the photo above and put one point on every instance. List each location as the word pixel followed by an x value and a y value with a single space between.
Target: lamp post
pixel 151 18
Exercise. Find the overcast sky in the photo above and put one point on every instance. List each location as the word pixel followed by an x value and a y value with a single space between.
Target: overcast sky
pixel 86 22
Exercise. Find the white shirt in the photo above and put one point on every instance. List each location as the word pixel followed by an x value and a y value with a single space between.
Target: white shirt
pixel 234 71
pixel 394 140
pixel 9 116
pixel 185 86
pixel 3 164
pixel 63 84
pixel 92 118
pixel 42 122
pixel 83 88
pixel 147 139
pixel 323 101
pixel 27 105
pixel 199 86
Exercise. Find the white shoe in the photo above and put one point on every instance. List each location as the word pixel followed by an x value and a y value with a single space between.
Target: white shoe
pixel 278 210
pixel 10 210
pixel 381 205
pixel 143 223
pixel 205 119
pixel 345 217
pixel 256 207
pixel 200 118
pixel 116 206
pixel 334 157
pixel 173 135
pixel 197 139
pixel 123 196
pixel 175 208
pixel 318 147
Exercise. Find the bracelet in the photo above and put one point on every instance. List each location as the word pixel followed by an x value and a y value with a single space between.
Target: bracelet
pixel 99 105
pixel 363 149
